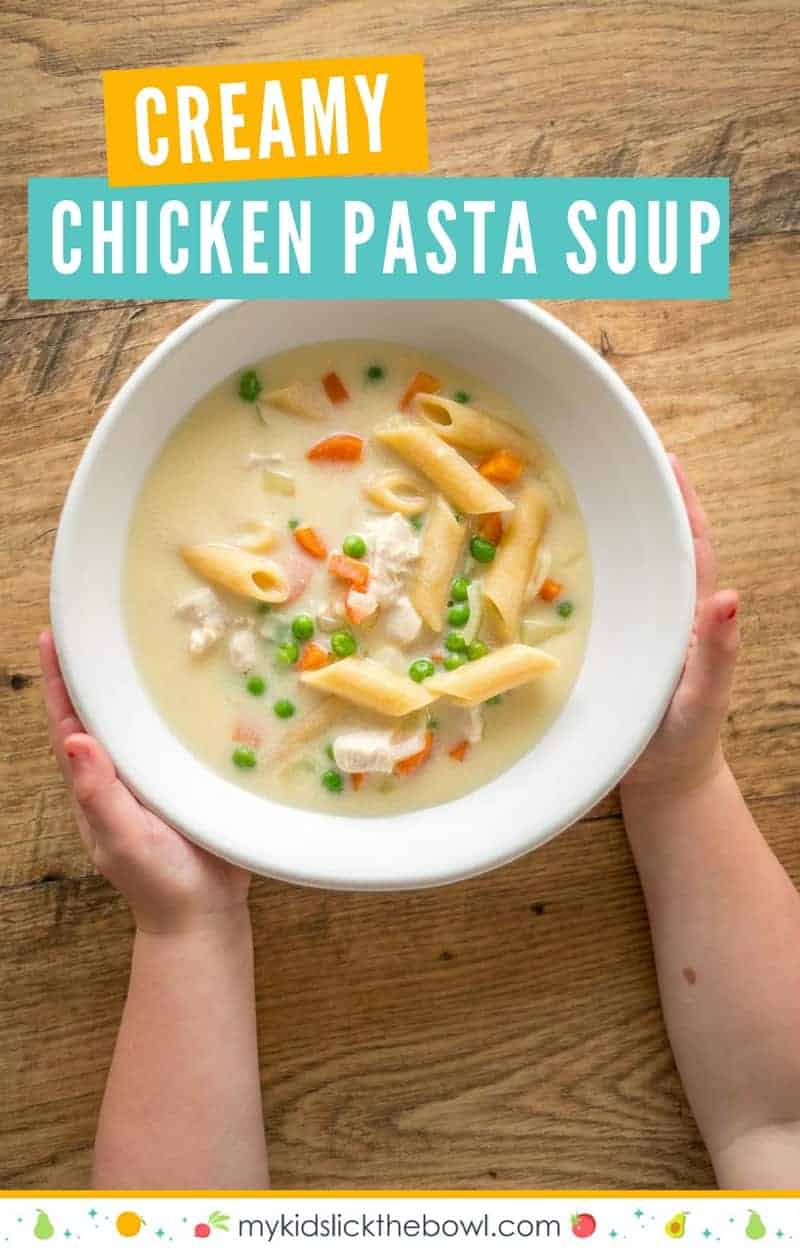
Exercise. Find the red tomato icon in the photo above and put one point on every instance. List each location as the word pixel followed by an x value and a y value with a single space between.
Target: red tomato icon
pixel 583 1225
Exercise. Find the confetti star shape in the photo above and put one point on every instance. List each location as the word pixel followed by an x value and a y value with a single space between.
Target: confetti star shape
pixel 638 1213
pixel 159 1232
pixel 92 1213
pixel 613 1233
pixel 706 1233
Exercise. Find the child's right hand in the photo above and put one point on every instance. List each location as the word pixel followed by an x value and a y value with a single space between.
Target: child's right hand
pixel 171 885
pixel 686 749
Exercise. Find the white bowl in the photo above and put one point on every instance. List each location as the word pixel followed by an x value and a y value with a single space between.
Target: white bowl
pixel 643 593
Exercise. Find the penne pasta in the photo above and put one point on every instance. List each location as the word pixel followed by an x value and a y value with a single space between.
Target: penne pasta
pixel 541 569
pixel 397 491
pixel 470 428
pixel 534 630
pixel 371 685
pixel 446 468
pixel 277 482
pixel 555 481
pixel 257 536
pixel 314 723
pixel 239 571
pixel 298 399
pixel 494 674
pixel 441 546
pixel 505 584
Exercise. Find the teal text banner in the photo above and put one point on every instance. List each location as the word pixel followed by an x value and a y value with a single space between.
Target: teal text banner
pixel 384 238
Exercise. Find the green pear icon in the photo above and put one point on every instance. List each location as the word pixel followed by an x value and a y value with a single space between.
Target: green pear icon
pixel 755 1227
pixel 43 1229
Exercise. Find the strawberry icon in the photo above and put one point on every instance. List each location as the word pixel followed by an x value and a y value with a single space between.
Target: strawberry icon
pixel 583 1225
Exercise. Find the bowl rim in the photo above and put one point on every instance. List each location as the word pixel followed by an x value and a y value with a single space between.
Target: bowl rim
pixel 674 649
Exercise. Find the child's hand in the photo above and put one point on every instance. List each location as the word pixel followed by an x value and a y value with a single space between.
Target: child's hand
pixel 686 748
pixel 170 884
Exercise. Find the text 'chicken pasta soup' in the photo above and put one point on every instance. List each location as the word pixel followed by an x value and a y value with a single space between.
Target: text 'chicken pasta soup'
pixel 355 583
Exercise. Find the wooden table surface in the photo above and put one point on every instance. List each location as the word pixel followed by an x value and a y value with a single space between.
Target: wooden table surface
pixel 505 1032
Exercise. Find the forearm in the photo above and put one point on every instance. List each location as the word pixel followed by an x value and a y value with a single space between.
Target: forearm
pixel 726 931
pixel 182 1107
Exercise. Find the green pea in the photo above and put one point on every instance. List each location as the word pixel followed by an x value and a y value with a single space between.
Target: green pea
pixel 454 661
pixel 250 386
pixel 329 750
pixel 256 684
pixel 293 523
pixel 354 546
pixel 477 649
pixel 458 615
pixel 565 608
pixel 342 643
pixel 332 780
pixel 244 757
pixel 482 550
pixel 287 653
pixel 303 627
pixel 461 397
pixel 460 589
pixel 421 669
pixel 284 708
pixel 455 642
pixel 416 521
pixel 375 373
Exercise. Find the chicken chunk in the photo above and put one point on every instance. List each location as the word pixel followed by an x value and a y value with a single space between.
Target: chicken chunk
pixel 403 622
pixel 242 650
pixel 374 750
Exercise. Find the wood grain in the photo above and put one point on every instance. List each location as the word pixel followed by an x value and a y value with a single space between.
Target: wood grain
pixel 504 1032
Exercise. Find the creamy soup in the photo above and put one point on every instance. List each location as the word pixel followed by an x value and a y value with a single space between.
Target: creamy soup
pixel 357 581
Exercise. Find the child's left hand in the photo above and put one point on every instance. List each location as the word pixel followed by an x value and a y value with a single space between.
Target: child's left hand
pixel 170 884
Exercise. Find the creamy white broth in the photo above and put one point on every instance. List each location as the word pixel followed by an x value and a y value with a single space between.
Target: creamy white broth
pixel 201 490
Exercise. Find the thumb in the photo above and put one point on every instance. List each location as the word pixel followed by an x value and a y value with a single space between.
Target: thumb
pixel 108 806
pixel 711 663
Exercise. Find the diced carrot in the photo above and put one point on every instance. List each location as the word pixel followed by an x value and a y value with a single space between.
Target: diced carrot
pixel 501 467
pixel 311 542
pixel 412 762
pixel 313 657
pixel 246 734
pixel 349 570
pixel 438 656
pixel 421 382
pixel 459 750
pixel 550 590
pixel 357 780
pixel 491 527
pixel 358 611
pixel 337 447
pixel 335 388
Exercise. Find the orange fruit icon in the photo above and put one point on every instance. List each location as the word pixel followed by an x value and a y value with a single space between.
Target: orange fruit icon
pixel 128 1224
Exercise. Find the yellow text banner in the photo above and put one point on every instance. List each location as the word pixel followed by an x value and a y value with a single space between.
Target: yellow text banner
pixel 273 119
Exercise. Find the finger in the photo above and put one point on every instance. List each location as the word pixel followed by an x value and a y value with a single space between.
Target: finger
pixel 61 717
pixel 711 663
pixel 87 833
pixel 110 809
pixel 705 560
